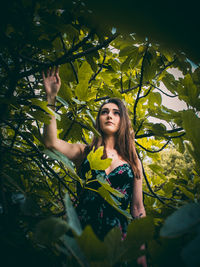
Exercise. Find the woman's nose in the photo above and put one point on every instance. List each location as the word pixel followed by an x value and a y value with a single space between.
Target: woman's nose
pixel 109 115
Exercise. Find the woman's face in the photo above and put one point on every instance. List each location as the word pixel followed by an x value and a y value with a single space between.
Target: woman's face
pixel 109 119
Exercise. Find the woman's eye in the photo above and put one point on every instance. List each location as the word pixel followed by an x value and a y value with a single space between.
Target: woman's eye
pixel 104 112
pixel 117 113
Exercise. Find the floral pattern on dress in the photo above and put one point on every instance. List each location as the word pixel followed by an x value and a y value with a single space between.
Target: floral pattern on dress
pixel 97 212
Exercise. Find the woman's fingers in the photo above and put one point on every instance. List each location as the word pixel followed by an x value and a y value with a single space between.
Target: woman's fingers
pixel 57 70
pixel 57 75
pixel 43 75
pixel 50 72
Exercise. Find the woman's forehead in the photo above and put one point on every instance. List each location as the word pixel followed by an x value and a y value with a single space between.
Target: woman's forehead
pixel 110 106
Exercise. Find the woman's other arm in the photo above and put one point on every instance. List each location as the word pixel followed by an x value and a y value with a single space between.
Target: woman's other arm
pixel 52 85
pixel 138 209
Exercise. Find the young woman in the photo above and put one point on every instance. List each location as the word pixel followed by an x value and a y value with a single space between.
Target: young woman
pixel 124 173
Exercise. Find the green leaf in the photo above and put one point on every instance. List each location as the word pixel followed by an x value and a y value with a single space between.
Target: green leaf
pixel 101 179
pixel 170 82
pixel 93 248
pixel 50 230
pixel 181 221
pixel 72 32
pixel 91 127
pixel 65 94
pixel 30 207
pixel 191 252
pixel 84 75
pixel 72 218
pixel 191 121
pixel 96 163
pixel 191 124
pixel 43 105
pixel 155 98
pixel 56 155
pixel 157 169
pixel 78 101
pixel 67 75
pixel 90 116
pixel 90 59
pixel 114 64
pixel 113 202
pixel 138 232
pixel 159 129
pixel 127 51
pixel 186 192
pixel 125 65
pixel 169 54
pixel 113 242
pixel 190 88
pixel 61 100
pixel 12 181
pixel 72 246
pixel 40 116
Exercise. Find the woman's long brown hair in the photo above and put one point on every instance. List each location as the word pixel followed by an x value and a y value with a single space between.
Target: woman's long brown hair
pixel 125 137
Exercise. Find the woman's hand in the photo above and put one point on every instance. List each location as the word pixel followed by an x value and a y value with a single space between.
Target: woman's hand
pixel 52 82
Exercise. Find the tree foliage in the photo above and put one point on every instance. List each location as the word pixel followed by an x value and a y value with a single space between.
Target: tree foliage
pixel 38 186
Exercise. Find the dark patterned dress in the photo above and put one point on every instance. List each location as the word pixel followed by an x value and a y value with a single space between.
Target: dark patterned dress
pixel 97 212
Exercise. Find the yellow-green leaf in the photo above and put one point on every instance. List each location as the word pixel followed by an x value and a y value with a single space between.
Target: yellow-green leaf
pixel 96 163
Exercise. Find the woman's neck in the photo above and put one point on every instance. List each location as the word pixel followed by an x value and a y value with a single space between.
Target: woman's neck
pixel 109 143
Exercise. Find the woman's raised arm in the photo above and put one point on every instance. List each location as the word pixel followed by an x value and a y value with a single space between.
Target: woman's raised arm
pixel 52 85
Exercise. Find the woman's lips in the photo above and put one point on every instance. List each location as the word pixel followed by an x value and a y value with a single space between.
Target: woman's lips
pixel 109 122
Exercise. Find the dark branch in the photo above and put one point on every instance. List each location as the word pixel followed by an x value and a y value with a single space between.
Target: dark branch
pixel 153 151
pixel 40 155
pixel 153 134
pixel 164 68
pixel 163 91
pixel 71 63
pixel 69 57
pixel 100 69
pixel 130 89
pixel 146 93
pixel 139 128
pixel 151 190
pixel 140 86
pixel 121 82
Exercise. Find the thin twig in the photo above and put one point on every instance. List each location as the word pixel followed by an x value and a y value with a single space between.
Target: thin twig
pixel 153 151
pixel 146 93
pixel 153 134
pixel 150 189
pixel 71 63
pixel 99 70
pixel 163 91
pixel 67 58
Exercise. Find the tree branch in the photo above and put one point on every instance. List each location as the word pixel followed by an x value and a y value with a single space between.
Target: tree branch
pixel 99 70
pixel 153 134
pixel 146 93
pixel 140 86
pixel 68 57
pixel 153 151
pixel 42 158
pixel 71 64
pixel 163 91
pixel 151 190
